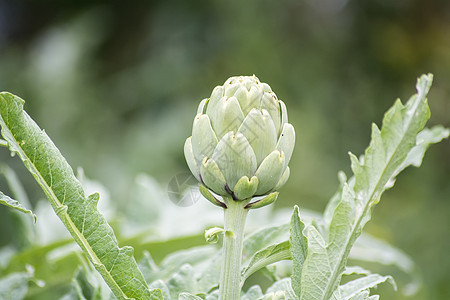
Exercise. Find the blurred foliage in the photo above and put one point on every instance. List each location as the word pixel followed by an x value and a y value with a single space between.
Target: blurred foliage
pixel 121 81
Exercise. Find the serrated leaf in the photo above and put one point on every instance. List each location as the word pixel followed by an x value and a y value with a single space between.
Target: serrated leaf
pixel 77 212
pixel 357 286
pixel 385 157
pixel 269 255
pixel 299 249
pixel 7 201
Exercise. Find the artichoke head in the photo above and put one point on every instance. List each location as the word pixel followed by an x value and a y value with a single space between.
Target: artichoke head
pixel 241 140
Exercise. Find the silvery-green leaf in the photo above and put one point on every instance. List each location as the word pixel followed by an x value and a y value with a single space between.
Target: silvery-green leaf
pixel 212 176
pixel 286 142
pixel 187 296
pixel 269 255
pixel 227 116
pixel 262 239
pixel 269 102
pixel 298 248
pixel 253 293
pixel 283 285
pixel 159 284
pixel 356 270
pixel 354 287
pixel 204 139
pixel 182 281
pixel 259 130
pixel 269 172
pixel 283 179
pixel 245 187
pixel 383 160
pixel 364 295
pixel 235 157
pixel 190 159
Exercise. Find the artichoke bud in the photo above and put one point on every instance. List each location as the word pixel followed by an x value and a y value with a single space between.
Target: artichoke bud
pixel 241 140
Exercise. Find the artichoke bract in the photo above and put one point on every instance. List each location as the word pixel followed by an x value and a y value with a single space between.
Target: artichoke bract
pixel 241 140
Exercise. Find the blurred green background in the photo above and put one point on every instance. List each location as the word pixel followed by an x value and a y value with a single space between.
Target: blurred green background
pixel 116 84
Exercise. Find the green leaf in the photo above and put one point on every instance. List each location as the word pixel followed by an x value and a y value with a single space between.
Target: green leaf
pixel 269 255
pixel 212 234
pixel 7 201
pixel 77 212
pixel 299 247
pixel 390 151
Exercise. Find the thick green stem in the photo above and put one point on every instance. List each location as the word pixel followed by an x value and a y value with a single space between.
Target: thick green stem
pixel 230 277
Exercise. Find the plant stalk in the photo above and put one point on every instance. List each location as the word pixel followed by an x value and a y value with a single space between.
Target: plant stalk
pixel 230 277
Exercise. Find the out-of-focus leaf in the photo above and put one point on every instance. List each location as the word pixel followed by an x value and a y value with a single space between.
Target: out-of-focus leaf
pixel 187 296
pixel 7 201
pixel 182 281
pixel 252 293
pixel 82 288
pixel 373 250
pixel 15 285
pixel 281 288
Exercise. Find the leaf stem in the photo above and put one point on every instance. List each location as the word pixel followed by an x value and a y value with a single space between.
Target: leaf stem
pixel 234 215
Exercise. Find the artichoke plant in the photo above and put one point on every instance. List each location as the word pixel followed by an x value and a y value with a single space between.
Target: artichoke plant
pixel 241 140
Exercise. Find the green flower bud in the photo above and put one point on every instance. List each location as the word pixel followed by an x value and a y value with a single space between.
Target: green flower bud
pixel 241 140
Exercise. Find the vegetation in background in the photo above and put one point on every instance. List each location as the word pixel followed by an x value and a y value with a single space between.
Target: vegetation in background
pixel 338 67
